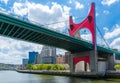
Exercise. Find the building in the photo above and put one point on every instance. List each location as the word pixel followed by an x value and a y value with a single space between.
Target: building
pixel 47 55
pixel 24 62
pixel 60 59
pixel 48 60
pixel 48 51
pixel 67 54
pixel 63 59
pixel 32 57
pixel 37 60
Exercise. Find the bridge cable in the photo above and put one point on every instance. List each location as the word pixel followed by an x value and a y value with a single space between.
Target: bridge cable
pixel 57 22
pixel 102 37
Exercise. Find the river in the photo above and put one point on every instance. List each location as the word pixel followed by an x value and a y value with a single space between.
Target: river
pixel 15 77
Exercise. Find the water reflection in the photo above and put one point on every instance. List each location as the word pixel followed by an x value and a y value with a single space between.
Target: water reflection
pixel 15 77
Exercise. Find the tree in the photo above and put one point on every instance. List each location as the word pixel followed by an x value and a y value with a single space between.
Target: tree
pixel 49 66
pixel 39 66
pixel 29 66
pixel 34 67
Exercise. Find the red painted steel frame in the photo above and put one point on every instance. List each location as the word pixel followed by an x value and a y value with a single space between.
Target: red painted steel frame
pixel 89 23
pixel 83 58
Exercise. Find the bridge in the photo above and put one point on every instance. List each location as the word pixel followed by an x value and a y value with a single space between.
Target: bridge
pixel 80 50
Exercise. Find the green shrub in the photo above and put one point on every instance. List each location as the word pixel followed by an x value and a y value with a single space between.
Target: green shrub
pixel 34 67
pixel 117 66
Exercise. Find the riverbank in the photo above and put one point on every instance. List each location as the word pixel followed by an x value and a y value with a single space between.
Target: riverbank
pixel 108 74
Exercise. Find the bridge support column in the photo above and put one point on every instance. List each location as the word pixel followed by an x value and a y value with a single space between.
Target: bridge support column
pixel 111 62
pixel 93 61
pixel 93 57
pixel 72 66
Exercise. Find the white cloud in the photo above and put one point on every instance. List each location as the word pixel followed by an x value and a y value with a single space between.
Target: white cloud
pixel 43 14
pixel 12 51
pixel 114 33
pixel 5 1
pixel 20 8
pixel 108 2
pixel 87 37
pixel 105 29
pixel 116 43
pixel 78 5
pixel 113 36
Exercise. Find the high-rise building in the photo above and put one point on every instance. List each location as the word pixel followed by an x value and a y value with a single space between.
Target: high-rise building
pixel 48 51
pixel 48 60
pixel 47 56
pixel 24 62
pixel 32 57
pixel 37 60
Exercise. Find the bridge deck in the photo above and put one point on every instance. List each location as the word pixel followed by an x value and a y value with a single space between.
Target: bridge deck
pixel 19 29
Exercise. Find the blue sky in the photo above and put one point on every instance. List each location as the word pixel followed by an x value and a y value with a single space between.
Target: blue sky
pixel 50 11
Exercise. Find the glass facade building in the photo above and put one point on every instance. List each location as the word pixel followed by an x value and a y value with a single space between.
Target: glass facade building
pixel 32 57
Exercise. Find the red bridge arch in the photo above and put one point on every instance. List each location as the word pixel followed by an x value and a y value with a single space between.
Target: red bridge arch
pixel 89 23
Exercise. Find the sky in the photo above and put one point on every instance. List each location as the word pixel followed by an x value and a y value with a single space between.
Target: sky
pixel 54 14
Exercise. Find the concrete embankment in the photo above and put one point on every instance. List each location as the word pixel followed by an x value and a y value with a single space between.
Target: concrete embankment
pixel 63 73
pixel 110 74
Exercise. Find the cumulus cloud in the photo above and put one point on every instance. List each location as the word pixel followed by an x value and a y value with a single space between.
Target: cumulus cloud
pixel 114 33
pixel 116 43
pixel 85 34
pixel 43 14
pixel 12 51
pixel 20 8
pixel 108 2
pixel 105 29
pixel 113 36
pixel 87 37
pixel 78 5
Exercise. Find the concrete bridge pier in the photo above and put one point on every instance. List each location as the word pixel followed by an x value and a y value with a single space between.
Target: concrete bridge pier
pixel 93 61
pixel 71 63
pixel 111 62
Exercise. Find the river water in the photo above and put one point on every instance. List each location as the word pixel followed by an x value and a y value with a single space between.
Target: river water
pixel 15 77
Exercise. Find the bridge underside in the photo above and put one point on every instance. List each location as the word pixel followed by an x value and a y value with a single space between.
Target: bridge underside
pixel 19 29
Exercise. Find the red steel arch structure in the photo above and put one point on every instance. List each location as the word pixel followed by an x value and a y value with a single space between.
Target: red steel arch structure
pixel 89 23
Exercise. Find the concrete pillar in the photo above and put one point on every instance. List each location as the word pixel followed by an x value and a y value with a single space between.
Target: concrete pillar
pixel 111 62
pixel 72 66
pixel 93 61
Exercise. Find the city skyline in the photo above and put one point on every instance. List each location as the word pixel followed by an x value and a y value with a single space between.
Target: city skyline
pixel 47 12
